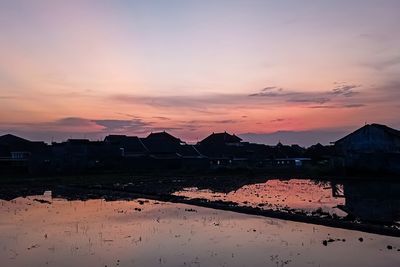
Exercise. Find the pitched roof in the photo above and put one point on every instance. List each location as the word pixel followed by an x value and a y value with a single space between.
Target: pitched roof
pixel 10 139
pixel 129 143
pixel 163 136
pixel 387 129
pixel 134 144
pixel 221 138
pixel 16 143
pixel 115 138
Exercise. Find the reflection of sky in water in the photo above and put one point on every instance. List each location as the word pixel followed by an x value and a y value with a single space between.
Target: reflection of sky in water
pixel 296 194
pixel 126 233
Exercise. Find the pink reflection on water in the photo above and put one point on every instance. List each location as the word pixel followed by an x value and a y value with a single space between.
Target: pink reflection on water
pixel 305 195
pixel 148 233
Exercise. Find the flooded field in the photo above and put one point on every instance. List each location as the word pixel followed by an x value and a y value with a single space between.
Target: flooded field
pixel 296 194
pixel 357 201
pixel 42 231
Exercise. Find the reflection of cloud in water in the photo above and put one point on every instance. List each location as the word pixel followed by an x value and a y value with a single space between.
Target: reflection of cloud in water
pixel 100 233
pixel 368 201
pixel 305 195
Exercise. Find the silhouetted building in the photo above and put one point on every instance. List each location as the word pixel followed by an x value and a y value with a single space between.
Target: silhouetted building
pixel 286 151
pixel 192 158
pixel 373 147
pixel 20 148
pixel 4 152
pixel 320 152
pixel 221 149
pixel 20 154
pixel 221 139
pixel 228 151
pixel 162 145
pixel 80 155
pixel 128 146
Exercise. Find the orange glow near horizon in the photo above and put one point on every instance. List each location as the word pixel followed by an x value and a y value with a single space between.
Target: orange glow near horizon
pixel 73 69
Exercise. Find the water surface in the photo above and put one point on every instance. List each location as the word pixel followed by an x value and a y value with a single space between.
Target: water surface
pixel 296 194
pixel 368 201
pixel 57 232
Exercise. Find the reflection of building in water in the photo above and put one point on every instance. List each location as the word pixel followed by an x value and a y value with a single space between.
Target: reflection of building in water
pixel 372 201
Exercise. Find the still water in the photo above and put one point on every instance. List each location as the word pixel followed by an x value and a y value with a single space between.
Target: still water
pixel 297 194
pixel 57 232
pixel 369 201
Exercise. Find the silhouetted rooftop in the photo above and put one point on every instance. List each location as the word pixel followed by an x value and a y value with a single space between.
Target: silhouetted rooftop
pixel 387 129
pixel 163 136
pixel 221 138
pixel 131 144
pixel 9 139
pixel 18 143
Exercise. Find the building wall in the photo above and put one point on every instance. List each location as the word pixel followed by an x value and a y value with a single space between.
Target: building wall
pixel 369 139
pixel 370 149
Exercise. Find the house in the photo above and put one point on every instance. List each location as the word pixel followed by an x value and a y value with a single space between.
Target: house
pixel 163 150
pixel 219 145
pixel 71 156
pixel 192 158
pixel 320 152
pixel 20 148
pixel 162 144
pixel 257 155
pixel 220 148
pixel 228 151
pixel 373 147
pixel 79 155
pixel 4 152
pixel 128 146
pixel 128 152
pixel 221 139
pixel 170 152
pixel 164 137
pixel 290 162
pixel 20 154
pixel 289 151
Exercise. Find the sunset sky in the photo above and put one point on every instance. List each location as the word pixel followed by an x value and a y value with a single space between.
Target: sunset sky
pixel 74 69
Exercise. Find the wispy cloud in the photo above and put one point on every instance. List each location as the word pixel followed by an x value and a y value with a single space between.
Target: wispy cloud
pixel 175 101
pixel 70 122
pixel 265 98
pixel 272 91
pixel 77 124
pixel 8 97
pixel 277 120
pixel 112 125
pixel 345 90
pixel 354 106
pixel 197 124
pixel 161 118
pixel 337 106
pixel 307 97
